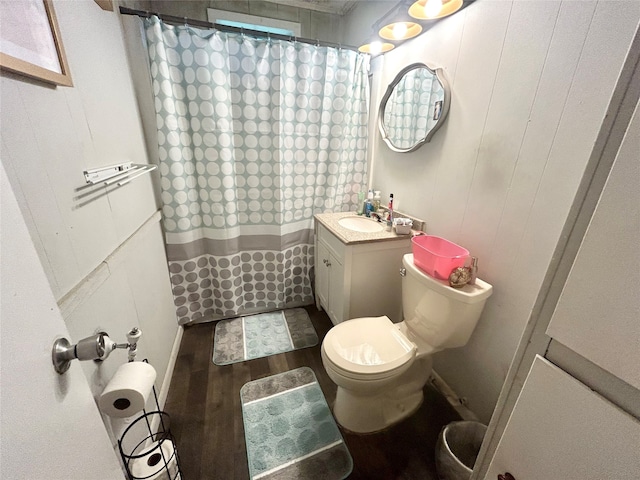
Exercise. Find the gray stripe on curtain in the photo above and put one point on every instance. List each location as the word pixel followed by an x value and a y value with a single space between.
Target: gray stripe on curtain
pixel 232 246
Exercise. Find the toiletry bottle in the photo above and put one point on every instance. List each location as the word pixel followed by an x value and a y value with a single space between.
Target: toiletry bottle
pixel 390 213
pixel 360 210
pixel 368 206
pixel 376 201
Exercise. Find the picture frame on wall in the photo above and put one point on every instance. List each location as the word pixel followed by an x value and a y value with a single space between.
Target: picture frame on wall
pixel 30 42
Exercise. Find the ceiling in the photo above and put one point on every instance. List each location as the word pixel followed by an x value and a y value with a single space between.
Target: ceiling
pixel 336 7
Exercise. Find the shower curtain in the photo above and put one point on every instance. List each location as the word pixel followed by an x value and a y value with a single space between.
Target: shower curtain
pixel 255 136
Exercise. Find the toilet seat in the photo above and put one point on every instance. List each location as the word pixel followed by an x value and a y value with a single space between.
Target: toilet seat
pixel 369 348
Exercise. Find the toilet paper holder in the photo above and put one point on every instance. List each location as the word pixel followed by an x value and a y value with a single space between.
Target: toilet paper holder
pixel 96 347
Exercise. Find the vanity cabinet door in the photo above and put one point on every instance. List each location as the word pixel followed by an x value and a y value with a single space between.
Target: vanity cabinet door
pixel 330 283
pixel 322 276
pixel 336 290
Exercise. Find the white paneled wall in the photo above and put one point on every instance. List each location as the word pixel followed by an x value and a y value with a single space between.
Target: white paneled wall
pixel 51 135
pixel 530 85
pixel 104 259
pixel 133 292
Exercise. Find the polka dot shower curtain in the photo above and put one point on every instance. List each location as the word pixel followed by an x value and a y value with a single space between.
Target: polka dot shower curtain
pixel 255 136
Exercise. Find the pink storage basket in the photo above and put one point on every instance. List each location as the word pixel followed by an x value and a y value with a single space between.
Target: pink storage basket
pixel 437 256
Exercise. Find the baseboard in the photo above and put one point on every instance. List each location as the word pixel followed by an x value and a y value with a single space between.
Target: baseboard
pixel 166 381
pixel 458 404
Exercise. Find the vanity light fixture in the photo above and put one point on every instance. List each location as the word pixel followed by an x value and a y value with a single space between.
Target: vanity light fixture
pixel 432 9
pixel 396 25
pixel 376 47
pixel 401 22
pixel 400 31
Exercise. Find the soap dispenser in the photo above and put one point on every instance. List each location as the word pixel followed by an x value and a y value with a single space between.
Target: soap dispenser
pixel 368 205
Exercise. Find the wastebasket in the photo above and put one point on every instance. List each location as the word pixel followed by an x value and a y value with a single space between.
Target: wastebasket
pixel 457 449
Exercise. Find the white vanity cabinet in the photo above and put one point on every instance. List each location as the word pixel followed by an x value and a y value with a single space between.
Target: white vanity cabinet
pixel 360 279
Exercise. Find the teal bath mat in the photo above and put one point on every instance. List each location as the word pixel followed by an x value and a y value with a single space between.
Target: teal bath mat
pixel 256 336
pixel 289 430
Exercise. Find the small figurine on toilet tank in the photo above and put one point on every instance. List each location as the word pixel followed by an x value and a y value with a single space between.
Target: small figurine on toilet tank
pixel 459 277
pixel 464 275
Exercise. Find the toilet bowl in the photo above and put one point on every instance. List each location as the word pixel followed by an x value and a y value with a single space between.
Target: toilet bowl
pixel 380 367
pixel 378 370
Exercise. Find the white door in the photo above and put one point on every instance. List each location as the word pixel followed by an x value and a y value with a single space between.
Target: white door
pixel 562 429
pixel 597 314
pixel 51 427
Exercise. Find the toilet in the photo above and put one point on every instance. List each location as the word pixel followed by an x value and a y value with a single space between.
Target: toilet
pixel 381 367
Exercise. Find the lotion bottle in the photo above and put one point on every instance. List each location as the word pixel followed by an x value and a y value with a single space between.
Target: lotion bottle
pixel 376 201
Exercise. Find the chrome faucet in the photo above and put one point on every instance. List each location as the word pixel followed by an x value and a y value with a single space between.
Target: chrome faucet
pixel 377 217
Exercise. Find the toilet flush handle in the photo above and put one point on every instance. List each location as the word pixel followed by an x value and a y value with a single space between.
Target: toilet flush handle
pixel 403 272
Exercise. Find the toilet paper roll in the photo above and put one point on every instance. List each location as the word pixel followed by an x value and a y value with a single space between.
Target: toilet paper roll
pixel 128 390
pixel 157 463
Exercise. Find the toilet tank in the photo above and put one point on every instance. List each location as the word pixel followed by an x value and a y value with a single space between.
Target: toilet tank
pixel 441 316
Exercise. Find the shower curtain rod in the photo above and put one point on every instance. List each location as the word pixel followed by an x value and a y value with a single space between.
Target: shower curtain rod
pixel 227 28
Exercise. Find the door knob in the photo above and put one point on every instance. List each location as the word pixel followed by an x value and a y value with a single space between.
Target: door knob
pixel 506 476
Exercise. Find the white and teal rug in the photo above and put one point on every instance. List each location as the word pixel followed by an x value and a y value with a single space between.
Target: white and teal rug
pixel 289 430
pixel 256 336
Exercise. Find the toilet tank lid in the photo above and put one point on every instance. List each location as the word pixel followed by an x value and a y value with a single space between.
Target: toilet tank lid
pixel 368 345
pixel 467 294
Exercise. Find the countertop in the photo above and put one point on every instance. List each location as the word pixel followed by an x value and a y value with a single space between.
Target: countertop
pixel 350 237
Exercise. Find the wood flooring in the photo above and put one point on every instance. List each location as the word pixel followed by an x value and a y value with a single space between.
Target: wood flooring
pixel 206 417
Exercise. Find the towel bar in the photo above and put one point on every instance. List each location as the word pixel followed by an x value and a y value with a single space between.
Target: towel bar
pixel 121 173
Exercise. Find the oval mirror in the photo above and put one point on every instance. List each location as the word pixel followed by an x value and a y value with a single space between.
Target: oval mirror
pixel 413 108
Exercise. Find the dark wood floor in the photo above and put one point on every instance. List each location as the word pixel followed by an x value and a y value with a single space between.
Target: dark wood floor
pixel 206 416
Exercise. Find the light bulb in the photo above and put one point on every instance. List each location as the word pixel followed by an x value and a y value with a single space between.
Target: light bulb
pixel 375 48
pixel 399 30
pixel 432 8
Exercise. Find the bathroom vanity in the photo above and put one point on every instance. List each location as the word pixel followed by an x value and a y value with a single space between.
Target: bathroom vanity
pixel 357 273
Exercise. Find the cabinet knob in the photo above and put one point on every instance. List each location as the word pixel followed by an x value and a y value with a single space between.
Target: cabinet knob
pixel 506 476
pixel 328 264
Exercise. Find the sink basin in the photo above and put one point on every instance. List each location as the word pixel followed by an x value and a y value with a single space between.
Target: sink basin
pixel 360 224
